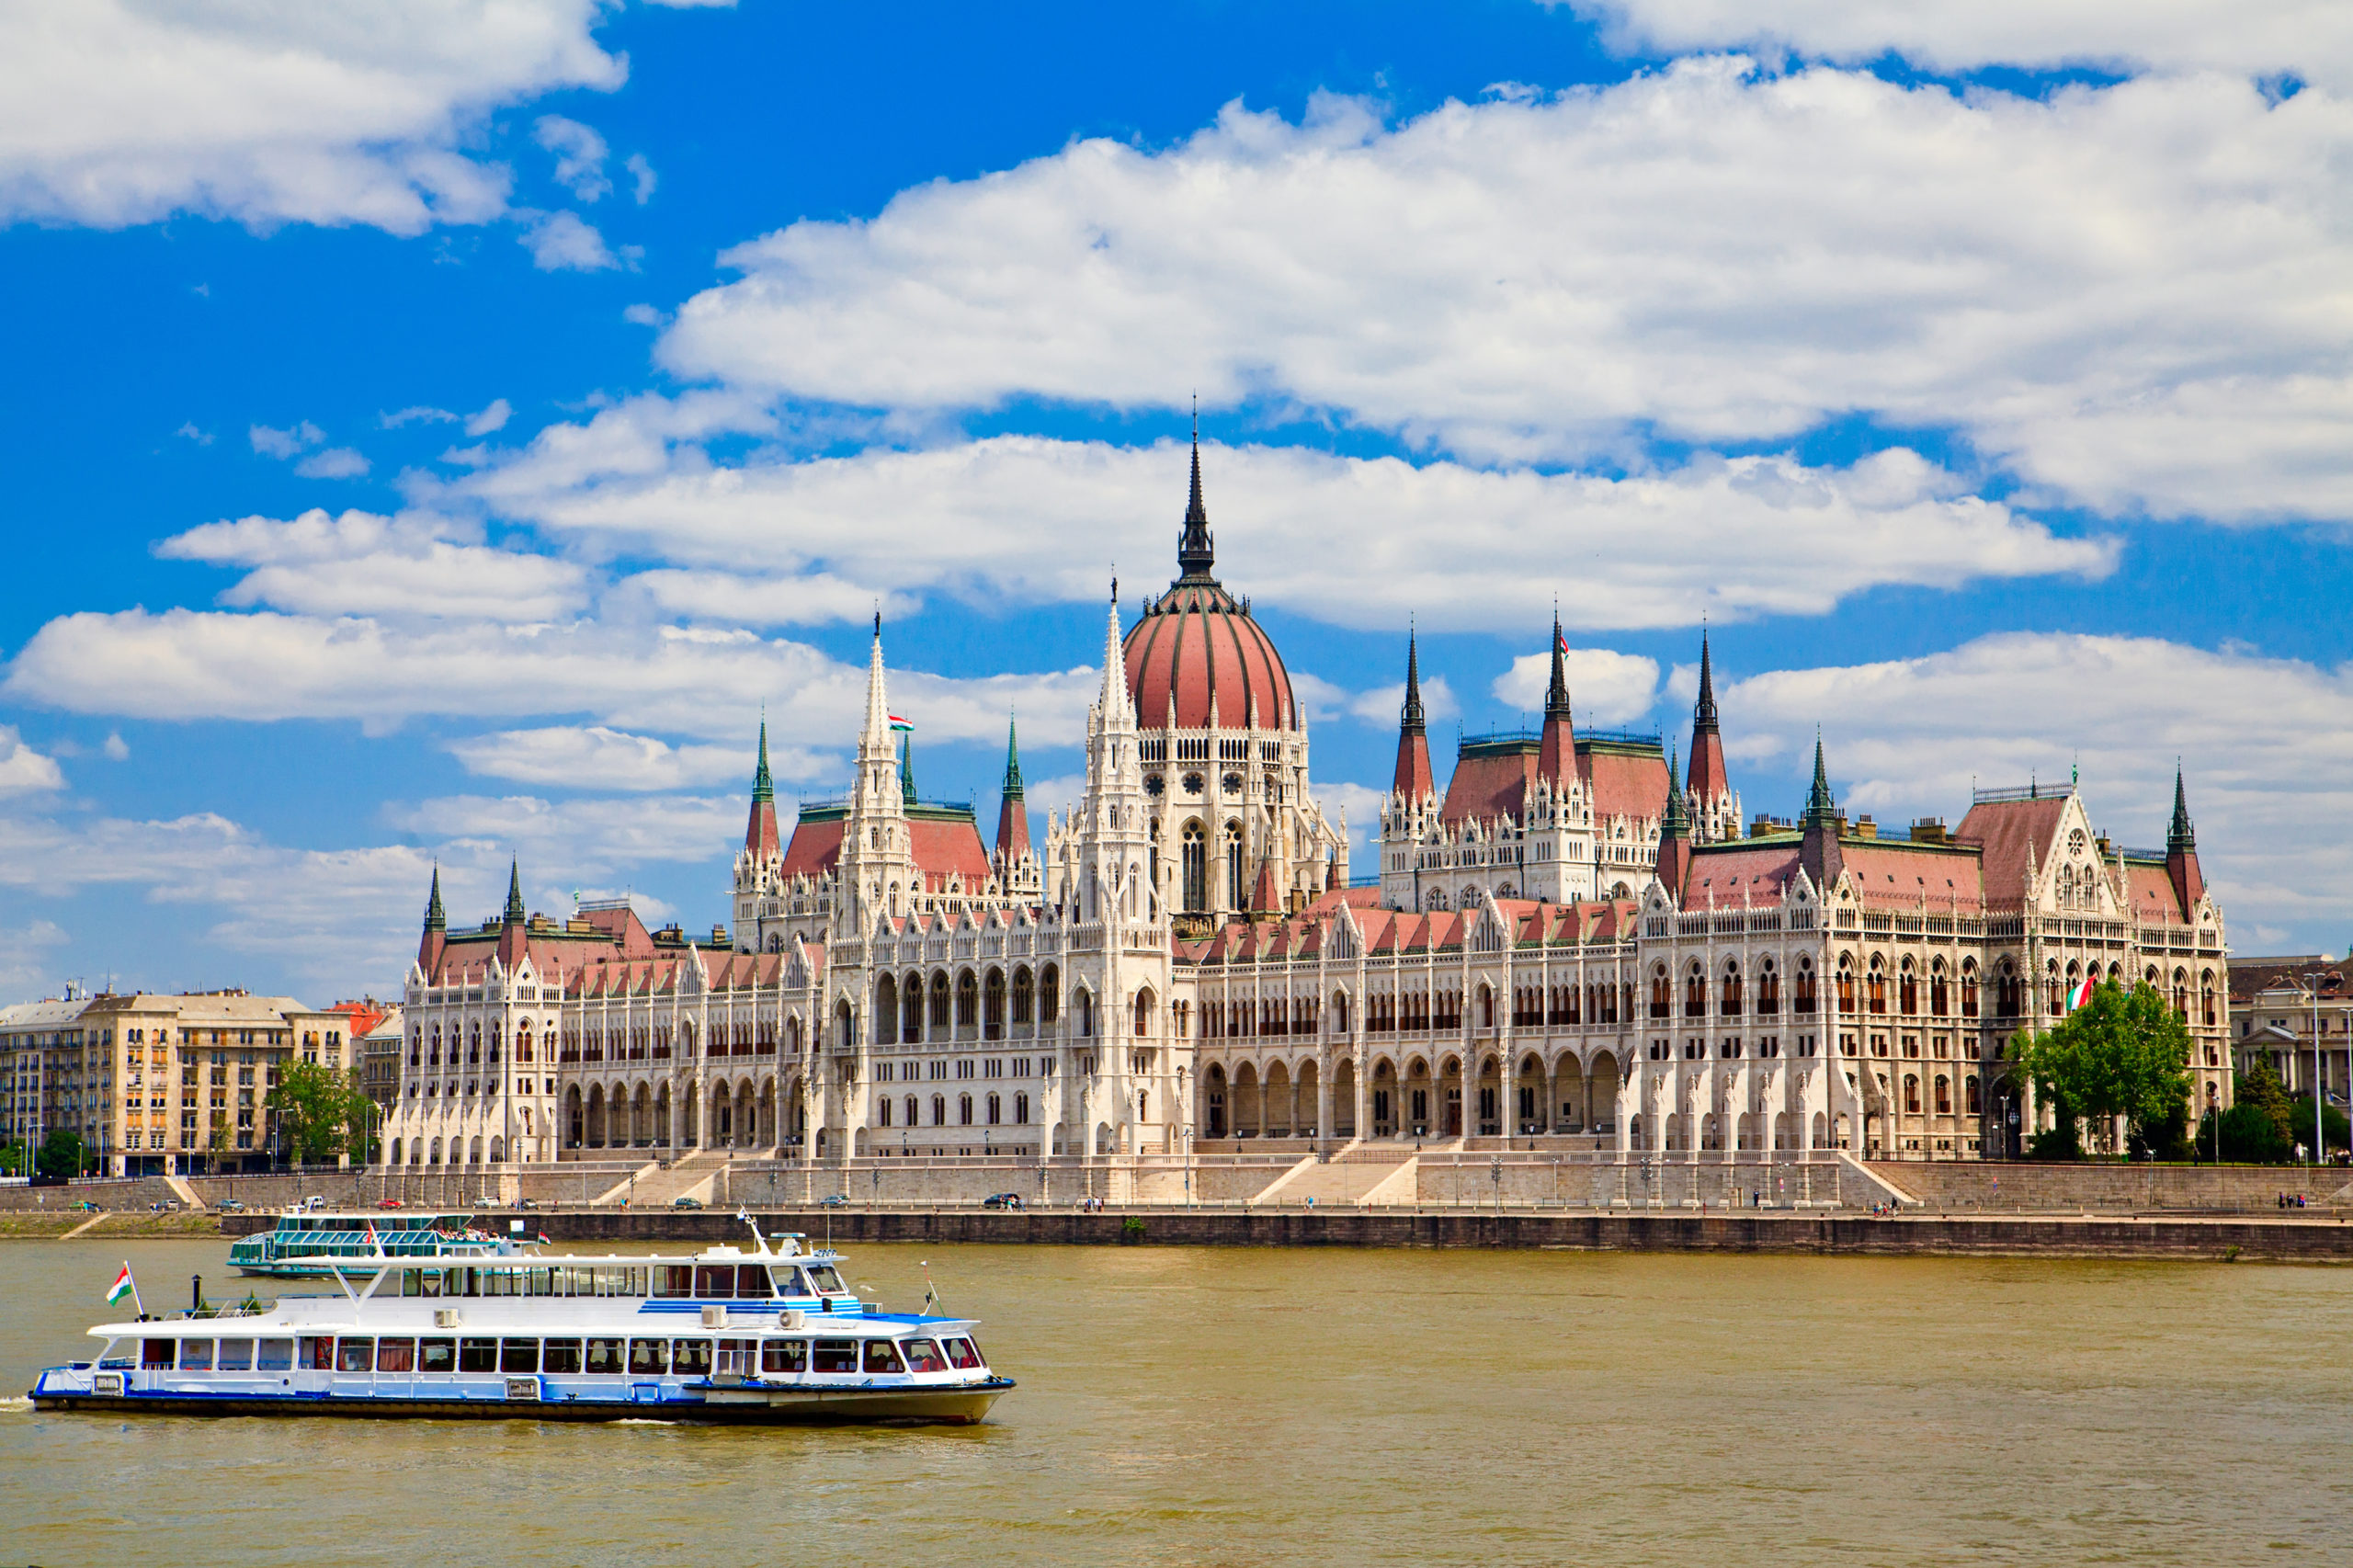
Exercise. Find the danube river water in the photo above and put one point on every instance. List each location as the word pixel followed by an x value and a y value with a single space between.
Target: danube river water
pixel 1275 1407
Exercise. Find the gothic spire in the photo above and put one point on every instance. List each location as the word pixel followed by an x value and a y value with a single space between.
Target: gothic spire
pixel 515 912
pixel 1704 716
pixel 1677 821
pixel 435 920
pixel 907 767
pixel 1196 549
pixel 763 784
pixel 1820 805
pixel 2182 835
pixel 1414 722
pixel 1556 696
pixel 1012 761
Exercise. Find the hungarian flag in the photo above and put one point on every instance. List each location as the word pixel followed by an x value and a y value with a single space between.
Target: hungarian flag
pixel 2080 996
pixel 121 1286
pixel 899 723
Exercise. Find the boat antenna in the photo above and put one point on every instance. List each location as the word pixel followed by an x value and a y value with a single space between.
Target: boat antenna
pixel 759 1242
pixel 930 1292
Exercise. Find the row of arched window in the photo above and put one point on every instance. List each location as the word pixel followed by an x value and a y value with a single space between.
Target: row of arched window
pixel 909 1111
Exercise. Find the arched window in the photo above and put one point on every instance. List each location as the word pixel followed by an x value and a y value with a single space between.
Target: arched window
pixel 967 1000
pixel 1049 991
pixel 939 1000
pixel 993 1007
pixel 882 1112
pixel 939 1111
pixel 1939 996
pixel 1022 1110
pixel 1911 1092
pixel 994 1107
pixel 1729 1002
pixel 1908 991
pixel 1662 996
pixel 1144 1012
pixel 915 1111
pixel 1082 1014
pixel 1846 987
pixel 1944 1096
pixel 1235 891
pixel 1970 1095
pixel 1195 892
pixel 964 1109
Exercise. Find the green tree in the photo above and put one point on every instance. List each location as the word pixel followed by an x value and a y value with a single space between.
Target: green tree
pixel 64 1155
pixel 2258 1128
pixel 2124 1053
pixel 2332 1125
pixel 318 1110
pixel 16 1159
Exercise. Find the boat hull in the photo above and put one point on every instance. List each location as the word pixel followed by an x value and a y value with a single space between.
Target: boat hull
pixel 746 1406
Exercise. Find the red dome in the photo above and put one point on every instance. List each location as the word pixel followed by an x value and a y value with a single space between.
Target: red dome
pixel 1197 642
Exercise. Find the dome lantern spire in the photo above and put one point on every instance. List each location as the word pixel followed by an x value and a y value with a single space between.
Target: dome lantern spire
pixel 1196 547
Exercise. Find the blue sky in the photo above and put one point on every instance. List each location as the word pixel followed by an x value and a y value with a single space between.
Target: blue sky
pixel 437 429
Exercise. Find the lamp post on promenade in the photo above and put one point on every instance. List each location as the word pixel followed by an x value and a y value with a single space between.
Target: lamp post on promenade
pixel 2320 1145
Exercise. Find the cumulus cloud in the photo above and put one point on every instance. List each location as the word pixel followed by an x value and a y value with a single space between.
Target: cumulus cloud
pixel 812 599
pixel 335 462
pixel 363 564
pixel 492 418
pixel 594 757
pixel 1705 252
pixel 2267 743
pixel 116 749
pixel 2312 39
pixel 563 242
pixel 1026 517
pixel 114 112
pixel 579 156
pixel 23 769
pixel 642 176
pixel 1605 687
pixel 263 666
pixel 273 443
pixel 1320 700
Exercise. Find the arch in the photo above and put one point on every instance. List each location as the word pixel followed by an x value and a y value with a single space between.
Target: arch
pixel 1050 994
pixel 968 1004
pixel 397 1152
pixel 845 1025
pixel 497 1151
pixel 1025 994
pixel 436 1158
pixel 1194 893
pixel 937 1026
pixel 1213 1108
pixel 886 1011
pixel 576 1130
pixel 993 1005
pixel 1280 1103
pixel 1082 1014
pixel 1247 1107
pixel 1143 1011
pixel 1236 893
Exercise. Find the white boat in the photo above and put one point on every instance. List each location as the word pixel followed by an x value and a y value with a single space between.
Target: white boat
pixel 726 1335
pixel 313 1243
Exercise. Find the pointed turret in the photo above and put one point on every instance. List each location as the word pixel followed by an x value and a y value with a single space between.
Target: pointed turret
pixel 907 768
pixel 1710 781
pixel 1413 779
pixel 1556 755
pixel 1114 699
pixel 512 941
pixel 515 915
pixel 1821 855
pixel 1012 814
pixel 760 837
pixel 435 939
pixel 1673 862
pixel 2182 852
pixel 1195 548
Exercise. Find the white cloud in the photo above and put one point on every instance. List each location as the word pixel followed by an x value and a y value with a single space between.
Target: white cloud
pixel 201 437
pixel 491 419
pixel 642 174
pixel 644 315
pixel 25 964
pixel 1605 687
pixel 1018 517
pixel 595 757
pixel 116 749
pixel 1320 700
pixel 813 599
pixel 2267 744
pixel 23 770
pixel 115 112
pixel 562 242
pixel 579 156
pixel 335 462
pixel 1703 253
pixel 2308 38
pixel 196 665
pixel 586 837
pixel 272 443
pixel 363 564
pixel 421 413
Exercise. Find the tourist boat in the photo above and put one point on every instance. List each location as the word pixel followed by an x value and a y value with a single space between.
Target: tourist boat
pixel 315 1244
pixel 769 1335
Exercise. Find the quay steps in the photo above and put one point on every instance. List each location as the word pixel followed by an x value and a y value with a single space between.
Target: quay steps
pixel 1365 1176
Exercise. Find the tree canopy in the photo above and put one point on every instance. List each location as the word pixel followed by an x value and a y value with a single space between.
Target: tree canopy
pixel 64 1155
pixel 320 1111
pixel 2124 1053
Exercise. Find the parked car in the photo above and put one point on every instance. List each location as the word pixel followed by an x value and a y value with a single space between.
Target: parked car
pixel 527 1203
pixel 392 1203
pixel 833 1200
pixel 230 1206
pixel 1002 1200
pixel 686 1203
pixel 316 1201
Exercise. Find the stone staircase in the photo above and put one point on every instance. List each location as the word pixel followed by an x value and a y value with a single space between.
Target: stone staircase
pixel 654 1186
pixel 1358 1176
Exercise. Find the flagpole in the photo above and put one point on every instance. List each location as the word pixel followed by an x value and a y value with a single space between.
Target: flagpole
pixel 136 1304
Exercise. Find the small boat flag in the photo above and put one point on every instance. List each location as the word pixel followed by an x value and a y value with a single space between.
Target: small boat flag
pixel 124 1285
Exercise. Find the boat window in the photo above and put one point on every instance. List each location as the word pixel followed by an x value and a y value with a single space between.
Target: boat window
pixel 715 1280
pixel 963 1353
pixel 691 1357
pixel 156 1352
pixel 674 1280
pixel 882 1355
pixel 836 1356
pixel 429 1282
pixel 518 1355
pixel 649 1356
pixel 923 1356
pixel 237 1354
pixel 393 1355
pixel 784 1356
pixel 825 1279
pixel 195 1355
pixel 752 1281
pixel 605 1357
pixel 620 1281
pixel 318 1353
pixel 738 1355
pixel 791 1282
pixel 477 1355
pixel 354 1356
pixel 458 1282
pixel 502 1281
pixel 274 1356
pixel 562 1355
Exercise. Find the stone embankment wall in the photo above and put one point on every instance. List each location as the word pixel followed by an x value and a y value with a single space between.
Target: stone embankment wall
pixel 1966 1185
pixel 2241 1240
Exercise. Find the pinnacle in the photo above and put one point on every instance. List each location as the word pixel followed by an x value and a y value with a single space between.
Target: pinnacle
pixel 1413 712
pixel 515 912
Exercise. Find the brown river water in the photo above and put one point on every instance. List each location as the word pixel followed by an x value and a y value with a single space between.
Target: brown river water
pixel 1275 1407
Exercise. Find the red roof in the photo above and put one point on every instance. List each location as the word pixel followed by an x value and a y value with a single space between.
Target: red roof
pixel 1896 875
pixel 1760 873
pixel 815 848
pixel 2150 892
pixel 1492 785
pixel 1625 786
pixel 2010 831
pixel 1195 644
pixel 941 848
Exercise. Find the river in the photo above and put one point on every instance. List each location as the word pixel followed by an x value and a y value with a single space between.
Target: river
pixel 1275 1407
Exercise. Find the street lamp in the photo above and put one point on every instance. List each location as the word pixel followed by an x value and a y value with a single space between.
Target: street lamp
pixel 2319 1144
